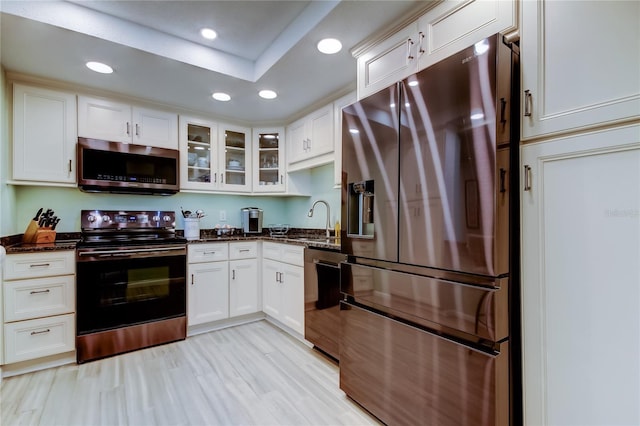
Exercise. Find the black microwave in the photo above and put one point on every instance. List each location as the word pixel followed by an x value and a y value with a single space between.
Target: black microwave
pixel 117 167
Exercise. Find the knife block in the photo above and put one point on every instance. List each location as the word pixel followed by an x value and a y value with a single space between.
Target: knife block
pixel 45 235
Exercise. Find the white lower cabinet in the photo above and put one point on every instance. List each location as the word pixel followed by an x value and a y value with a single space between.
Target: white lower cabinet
pixel 283 284
pixel 208 292
pixel 244 285
pixel 222 281
pixel 580 279
pixel 39 305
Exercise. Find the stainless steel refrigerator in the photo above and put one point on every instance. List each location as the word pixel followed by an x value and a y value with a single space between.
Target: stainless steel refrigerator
pixel 429 290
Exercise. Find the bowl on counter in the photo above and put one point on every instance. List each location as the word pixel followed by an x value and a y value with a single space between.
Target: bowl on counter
pixel 278 230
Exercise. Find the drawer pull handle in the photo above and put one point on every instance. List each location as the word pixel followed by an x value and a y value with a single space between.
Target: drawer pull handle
pixel 39 265
pixel 527 177
pixel 244 250
pixel 210 252
pixel 527 103
pixel 233 274
pixel 33 333
pixel 40 291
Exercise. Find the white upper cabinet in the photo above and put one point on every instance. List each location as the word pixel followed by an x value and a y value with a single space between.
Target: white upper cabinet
pixel 454 25
pixel 114 121
pixel 214 156
pixel 234 159
pixel 445 29
pixel 44 135
pixel 198 153
pixel 269 165
pixel 578 74
pixel 389 61
pixel 311 138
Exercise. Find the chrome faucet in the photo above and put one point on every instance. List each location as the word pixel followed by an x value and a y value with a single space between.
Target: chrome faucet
pixel 310 214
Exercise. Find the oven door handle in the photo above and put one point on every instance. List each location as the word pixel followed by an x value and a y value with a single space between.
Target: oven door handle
pixel 127 253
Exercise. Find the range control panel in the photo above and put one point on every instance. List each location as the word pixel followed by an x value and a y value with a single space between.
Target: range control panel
pixel 119 219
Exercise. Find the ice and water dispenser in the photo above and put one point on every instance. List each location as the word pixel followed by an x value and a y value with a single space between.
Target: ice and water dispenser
pixel 360 209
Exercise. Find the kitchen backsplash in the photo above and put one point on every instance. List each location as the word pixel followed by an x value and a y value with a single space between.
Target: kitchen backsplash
pixel 67 202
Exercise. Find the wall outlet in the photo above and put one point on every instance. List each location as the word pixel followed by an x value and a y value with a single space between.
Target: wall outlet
pixel 223 215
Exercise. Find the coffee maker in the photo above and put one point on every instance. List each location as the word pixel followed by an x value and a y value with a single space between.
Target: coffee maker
pixel 251 220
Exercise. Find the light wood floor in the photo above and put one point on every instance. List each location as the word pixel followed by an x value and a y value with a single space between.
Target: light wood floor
pixel 252 374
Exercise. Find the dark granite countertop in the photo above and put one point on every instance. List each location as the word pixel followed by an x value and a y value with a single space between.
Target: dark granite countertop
pixel 67 241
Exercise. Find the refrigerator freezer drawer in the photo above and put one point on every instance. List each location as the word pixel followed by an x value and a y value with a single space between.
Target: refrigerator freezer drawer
pixel 405 376
pixel 469 311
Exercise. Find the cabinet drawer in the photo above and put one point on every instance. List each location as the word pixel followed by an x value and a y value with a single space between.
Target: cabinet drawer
pixel 287 253
pixel 41 297
pixel 34 265
pixel 39 337
pixel 244 250
pixel 208 252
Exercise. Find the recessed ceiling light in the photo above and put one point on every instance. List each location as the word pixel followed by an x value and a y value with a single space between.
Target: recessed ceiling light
pixel 329 46
pixel 220 96
pixel 413 83
pixel 99 67
pixel 208 33
pixel 267 94
pixel 354 131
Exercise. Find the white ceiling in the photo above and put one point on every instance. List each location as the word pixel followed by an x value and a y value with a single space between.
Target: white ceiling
pixel 158 55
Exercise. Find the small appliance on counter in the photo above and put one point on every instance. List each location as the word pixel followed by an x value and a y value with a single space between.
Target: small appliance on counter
pixel 41 228
pixel 251 220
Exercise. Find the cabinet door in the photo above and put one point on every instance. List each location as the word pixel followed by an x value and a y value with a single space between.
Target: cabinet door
pixel 234 163
pixel 292 282
pixel 454 25
pixel 296 141
pixel 572 76
pixel 269 173
pixel 155 128
pixel 320 132
pixel 389 61
pixel 198 149
pixel 580 275
pixel 104 119
pixel 243 287
pixel 271 288
pixel 208 292
pixel 44 135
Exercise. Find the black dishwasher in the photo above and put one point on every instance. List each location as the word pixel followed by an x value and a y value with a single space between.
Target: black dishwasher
pixel 322 299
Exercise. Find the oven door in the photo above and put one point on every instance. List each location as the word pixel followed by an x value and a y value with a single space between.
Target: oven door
pixel 124 287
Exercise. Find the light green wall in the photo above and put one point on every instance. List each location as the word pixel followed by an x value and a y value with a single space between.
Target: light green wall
pixel 322 188
pixel 67 203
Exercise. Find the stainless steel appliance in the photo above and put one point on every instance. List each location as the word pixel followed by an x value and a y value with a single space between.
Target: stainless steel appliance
pixel 105 166
pixel 130 282
pixel 322 299
pixel 251 218
pixel 429 312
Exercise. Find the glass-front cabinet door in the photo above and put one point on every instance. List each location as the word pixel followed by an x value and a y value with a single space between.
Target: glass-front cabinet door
pixel 235 160
pixel 198 152
pixel 269 174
